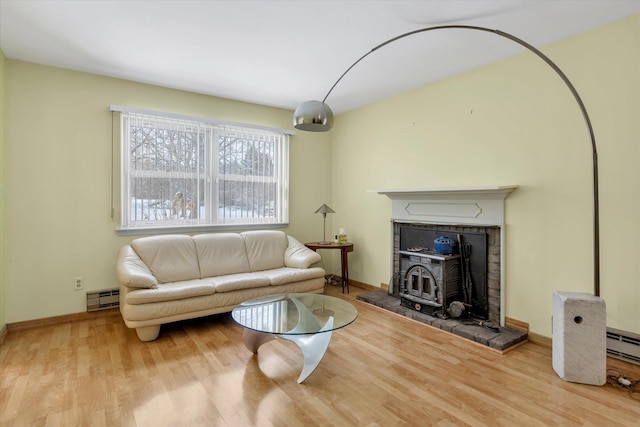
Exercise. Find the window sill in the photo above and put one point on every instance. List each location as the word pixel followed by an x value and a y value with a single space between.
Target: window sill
pixel 145 231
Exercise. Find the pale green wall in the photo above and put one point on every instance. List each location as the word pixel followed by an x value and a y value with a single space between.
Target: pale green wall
pixel 513 122
pixel 3 309
pixel 58 179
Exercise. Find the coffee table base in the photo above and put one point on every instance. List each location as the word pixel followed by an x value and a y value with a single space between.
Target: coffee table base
pixel 313 346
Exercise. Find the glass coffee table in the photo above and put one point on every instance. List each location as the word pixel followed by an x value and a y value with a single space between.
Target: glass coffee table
pixel 308 320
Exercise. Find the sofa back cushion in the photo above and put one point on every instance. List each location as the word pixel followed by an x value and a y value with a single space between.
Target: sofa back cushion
pixel 170 258
pixel 265 248
pixel 221 254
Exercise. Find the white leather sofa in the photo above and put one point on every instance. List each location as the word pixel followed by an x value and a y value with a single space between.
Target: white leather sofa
pixel 167 278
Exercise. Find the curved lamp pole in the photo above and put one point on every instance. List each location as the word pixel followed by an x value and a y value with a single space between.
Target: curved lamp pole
pixel 316 116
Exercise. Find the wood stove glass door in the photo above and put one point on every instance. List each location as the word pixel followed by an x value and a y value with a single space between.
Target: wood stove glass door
pixel 421 283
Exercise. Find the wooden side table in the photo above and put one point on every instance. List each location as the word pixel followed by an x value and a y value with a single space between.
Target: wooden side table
pixel 345 248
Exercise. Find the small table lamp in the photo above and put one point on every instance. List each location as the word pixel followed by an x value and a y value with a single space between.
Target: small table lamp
pixel 324 210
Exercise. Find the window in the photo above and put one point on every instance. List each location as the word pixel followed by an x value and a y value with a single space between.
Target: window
pixel 182 173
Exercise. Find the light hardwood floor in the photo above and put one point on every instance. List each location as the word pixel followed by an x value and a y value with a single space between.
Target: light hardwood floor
pixel 383 370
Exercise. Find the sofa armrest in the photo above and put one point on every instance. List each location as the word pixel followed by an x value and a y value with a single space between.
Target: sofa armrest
pixel 132 271
pixel 298 255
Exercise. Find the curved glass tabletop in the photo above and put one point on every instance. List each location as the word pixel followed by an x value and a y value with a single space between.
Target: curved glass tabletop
pixel 294 314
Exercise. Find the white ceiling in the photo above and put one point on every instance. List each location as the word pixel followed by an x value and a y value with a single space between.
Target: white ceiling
pixel 280 53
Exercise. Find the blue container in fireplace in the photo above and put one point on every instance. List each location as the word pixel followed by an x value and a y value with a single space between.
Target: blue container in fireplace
pixel 444 245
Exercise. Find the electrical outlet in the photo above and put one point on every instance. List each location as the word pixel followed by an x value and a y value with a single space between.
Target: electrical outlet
pixel 78 283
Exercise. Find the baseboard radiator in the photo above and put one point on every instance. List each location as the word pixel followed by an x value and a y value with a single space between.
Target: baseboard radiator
pixel 623 345
pixel 103 299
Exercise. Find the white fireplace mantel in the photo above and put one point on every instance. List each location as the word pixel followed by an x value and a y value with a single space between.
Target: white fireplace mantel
pixel 459 205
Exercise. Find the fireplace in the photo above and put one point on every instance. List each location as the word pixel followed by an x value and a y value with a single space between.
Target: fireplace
pixel 472 215
pixel 463 284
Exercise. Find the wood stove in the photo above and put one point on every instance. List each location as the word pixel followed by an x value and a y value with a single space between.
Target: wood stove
pixel 429 281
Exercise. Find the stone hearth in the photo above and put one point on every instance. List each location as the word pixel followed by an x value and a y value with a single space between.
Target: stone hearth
pixel 501 340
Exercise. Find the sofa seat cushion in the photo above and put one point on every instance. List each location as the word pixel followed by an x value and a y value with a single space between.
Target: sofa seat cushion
pixel 171 291
pixel 171 258
pixel 286 275
pixel 234 282
pixel 171 311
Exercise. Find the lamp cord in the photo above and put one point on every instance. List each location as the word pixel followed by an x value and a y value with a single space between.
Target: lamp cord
pixel 618 380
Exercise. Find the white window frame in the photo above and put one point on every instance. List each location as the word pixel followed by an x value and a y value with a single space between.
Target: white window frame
pixel 209 216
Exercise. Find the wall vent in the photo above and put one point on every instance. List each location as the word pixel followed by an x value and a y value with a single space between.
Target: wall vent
pixel 103 299
pixel 623 345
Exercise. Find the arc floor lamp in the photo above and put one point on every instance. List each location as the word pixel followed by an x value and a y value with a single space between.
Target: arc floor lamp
pixel 316 116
